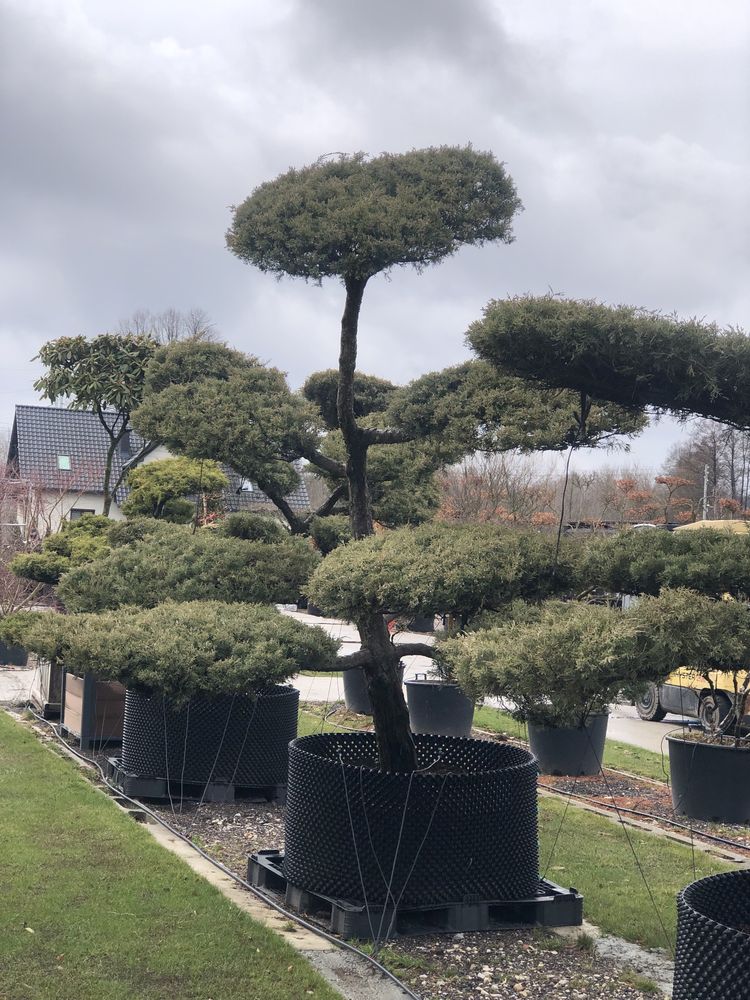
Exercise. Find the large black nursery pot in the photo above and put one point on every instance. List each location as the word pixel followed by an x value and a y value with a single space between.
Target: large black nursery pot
pixel 575 751
pixel 12 656
pixel 712 959
pixel 710 781
pixel 236 739
pixel 439 707
pixel 462 827
pixel 356 695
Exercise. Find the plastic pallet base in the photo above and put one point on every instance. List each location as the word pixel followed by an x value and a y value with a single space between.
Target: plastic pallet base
pixel 145 787
pixel 552 907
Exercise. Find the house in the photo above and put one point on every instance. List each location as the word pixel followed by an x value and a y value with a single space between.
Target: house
pixel 57 457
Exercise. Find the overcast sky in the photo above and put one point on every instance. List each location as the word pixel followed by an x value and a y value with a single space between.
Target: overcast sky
pixel 129 129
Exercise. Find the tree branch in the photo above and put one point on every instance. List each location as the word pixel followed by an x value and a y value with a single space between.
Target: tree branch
pixel 327 508
pixel 362 658
pixel 414 649
pixel 297 524
pixel 329 465
pixel 392 436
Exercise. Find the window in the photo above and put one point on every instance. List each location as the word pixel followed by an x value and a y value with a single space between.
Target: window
pixel 63 462
pixel 76 512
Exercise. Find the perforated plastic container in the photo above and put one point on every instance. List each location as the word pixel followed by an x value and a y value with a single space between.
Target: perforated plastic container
pixel 242 740
pixel 466 829
pixel 712 960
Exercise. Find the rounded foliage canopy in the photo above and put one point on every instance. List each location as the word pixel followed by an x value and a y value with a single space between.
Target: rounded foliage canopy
pixel 353 217
pixel 644 562
pixel 77 542
pixel 183 566
pixel 182 649
pixel 571 661
pixel 628 355
pixel 209 401
pixel 156 488
pixel 456 569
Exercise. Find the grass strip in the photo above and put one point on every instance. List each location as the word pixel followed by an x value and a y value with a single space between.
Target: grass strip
pixel 593 854
pixel 94 909
pixel 619 755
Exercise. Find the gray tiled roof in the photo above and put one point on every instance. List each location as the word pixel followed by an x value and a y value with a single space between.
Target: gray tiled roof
pixel 43 433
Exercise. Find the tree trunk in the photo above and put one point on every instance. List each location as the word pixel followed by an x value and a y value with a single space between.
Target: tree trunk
pixel 390 715
pixel 389 712
pixel 108 476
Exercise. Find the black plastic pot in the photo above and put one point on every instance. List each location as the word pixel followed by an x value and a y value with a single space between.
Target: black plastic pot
pixel 465 830
pixel 313 609
pixel 422 623
pixel 712 958
pixel 438 707
pixel 13 656
pixel 710 781
pixel 240 740
pixel 356 697
pixel 574 751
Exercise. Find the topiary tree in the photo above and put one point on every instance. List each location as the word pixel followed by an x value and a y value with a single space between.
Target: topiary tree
pixel 184 566
pixel 645 562
pixel 630 356
pixel 105 375
pixel 159 489
pixel 183 649
pixel 560 666
pixel 463 570
pixel 76 543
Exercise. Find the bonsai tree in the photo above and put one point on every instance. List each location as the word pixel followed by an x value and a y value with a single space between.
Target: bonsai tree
pixel 104 375
pixel 711 637
pixel 183 649
pixel 463 570
pixel 253 527
pixel 644 562
pixel 559 666
pixel 630 356
pixel 180 565
pixel 160 489
pixel 77 542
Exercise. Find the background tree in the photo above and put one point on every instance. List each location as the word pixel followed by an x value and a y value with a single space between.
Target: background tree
pixel 159 489
pixel 106 375
pixel 169 326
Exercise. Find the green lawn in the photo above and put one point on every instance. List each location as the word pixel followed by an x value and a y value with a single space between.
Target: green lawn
pixel 623 756
pixel 93 909
pixel 593 854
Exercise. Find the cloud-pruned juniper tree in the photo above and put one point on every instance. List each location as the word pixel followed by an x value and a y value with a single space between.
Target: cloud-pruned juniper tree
pixel 622 353
pixel 352 218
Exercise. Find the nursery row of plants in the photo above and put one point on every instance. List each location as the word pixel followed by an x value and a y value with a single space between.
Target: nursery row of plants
pixel 173 613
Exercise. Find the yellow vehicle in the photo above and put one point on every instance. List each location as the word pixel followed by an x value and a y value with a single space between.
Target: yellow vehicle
pixel 685 692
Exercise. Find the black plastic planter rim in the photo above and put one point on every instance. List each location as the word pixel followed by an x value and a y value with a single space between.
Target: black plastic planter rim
pixel 307 745
pixel 688 894
pixel 704 745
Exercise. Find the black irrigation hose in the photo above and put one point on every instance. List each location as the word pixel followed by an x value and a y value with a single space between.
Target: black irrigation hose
pixel 290 914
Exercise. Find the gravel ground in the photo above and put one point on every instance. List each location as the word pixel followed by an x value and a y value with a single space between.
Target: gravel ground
pixel 507 964
pixel 644 796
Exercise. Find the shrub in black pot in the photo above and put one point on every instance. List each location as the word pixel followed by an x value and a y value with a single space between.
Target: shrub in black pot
pixel 203 677
pixel 558 668
pixel 710 770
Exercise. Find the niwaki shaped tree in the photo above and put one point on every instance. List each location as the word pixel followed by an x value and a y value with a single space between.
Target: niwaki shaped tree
pixel 352 218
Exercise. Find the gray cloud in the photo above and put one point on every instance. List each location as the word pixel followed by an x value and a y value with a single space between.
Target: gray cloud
pixel 129 130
